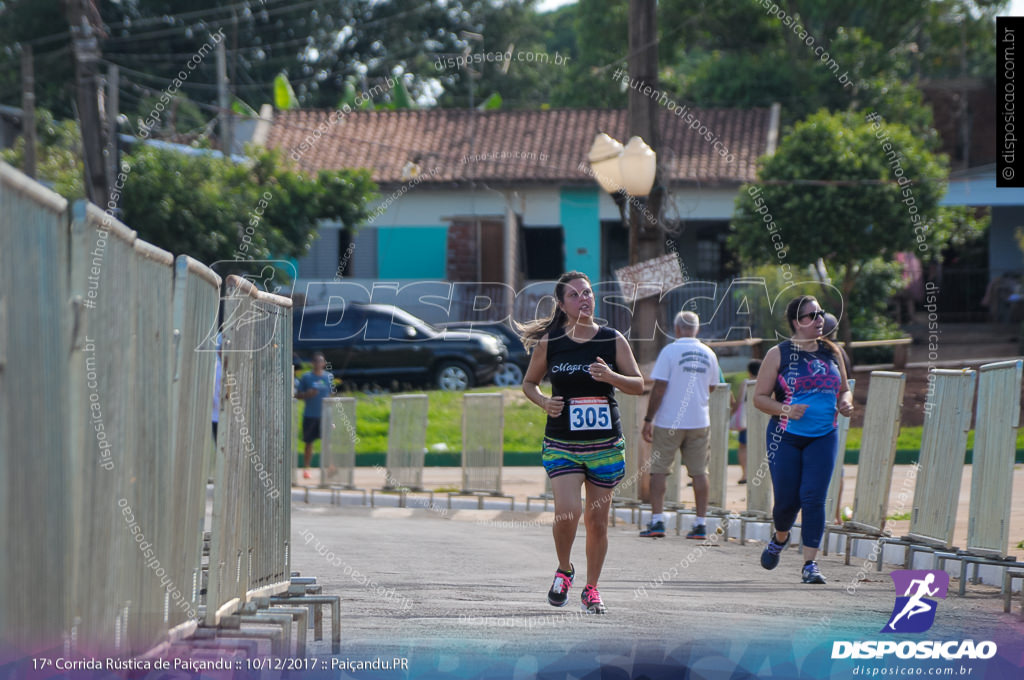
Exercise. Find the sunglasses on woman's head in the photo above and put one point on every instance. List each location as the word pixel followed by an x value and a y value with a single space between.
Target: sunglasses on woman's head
pixel 820 314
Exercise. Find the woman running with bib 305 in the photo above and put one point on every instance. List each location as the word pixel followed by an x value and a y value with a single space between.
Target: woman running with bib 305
pixel 801 384
pixel 583 443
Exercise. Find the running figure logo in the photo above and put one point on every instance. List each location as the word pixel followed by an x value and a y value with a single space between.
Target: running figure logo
pixel 913 611
pixel 818 367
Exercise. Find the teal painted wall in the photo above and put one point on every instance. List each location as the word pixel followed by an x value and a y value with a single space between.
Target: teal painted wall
pixel 412 252
pixel 582 224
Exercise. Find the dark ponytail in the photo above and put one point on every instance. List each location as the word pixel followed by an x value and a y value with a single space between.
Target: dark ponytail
pixel 839 362
pixel 532 331
pixel 793 311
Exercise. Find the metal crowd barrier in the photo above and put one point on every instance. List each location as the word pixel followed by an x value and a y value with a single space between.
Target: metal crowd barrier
pixel 943 447
pixel 250 534
pixel 940 467
pixel 833 499
pixel 995 437
pixel 36 468
pixel 148 467
pixel 759 478
pixel 877 452
pixel 718 458
pixel 483 448
pixel 875 461
pixel 995 445
pixel 627 493
pixel 113 607
pixel 105 430
pixel 407 438
pixel 718 454
pixel 338 446
pixel 547 496
pixel 196 303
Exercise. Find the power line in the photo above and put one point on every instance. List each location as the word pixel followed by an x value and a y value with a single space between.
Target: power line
pixel 150 56
pixel 188 15
pixel 178 29
pixel 147 20
pixel 198 84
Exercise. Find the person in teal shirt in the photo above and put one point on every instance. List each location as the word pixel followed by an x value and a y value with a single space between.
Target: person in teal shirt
pixel 313 387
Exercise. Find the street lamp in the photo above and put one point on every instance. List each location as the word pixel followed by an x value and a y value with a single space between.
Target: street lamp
pixel 628 173
pixel 630 169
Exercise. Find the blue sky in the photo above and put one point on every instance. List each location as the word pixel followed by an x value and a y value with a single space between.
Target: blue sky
pixel 546 5
pixel 1016 6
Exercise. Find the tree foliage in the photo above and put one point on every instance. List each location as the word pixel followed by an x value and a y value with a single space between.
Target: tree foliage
pixel 848 191
pixel 601 38
pixel 205 205
pixel 329 51
pixel 325 49
pixel 58 155
pixel 209 207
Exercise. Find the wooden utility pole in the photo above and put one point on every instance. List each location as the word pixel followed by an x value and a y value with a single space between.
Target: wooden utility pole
pixel 85 48
pixel 224 100
pixel 113 104
pixel 28 109
pixel 645 238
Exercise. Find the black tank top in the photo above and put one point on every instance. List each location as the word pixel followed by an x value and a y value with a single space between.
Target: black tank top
pixel 590 411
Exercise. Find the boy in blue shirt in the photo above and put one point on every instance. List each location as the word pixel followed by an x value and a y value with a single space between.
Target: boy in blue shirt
pixel 313 387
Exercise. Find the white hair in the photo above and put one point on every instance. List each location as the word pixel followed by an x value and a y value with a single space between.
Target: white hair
pixel 688 323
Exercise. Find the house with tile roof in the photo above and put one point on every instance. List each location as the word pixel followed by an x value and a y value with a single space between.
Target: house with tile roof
pixel 505 196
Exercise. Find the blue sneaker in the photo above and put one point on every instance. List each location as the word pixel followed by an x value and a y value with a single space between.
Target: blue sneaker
pixel 654 530
pixel 770 555
pixel 811 574
pixel 698 531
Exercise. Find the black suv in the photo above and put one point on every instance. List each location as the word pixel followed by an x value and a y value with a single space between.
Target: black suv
pixel 384 346
pixel 512 371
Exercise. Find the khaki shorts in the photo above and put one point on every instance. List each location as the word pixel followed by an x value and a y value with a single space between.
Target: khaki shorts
pixel 692 443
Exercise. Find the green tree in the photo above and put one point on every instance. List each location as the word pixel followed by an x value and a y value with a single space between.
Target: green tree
pixel 602 45
pixel 322 46
pixel 883 47
pixel 58 155
pixel 202 204
pixel 507 29
pixel 842 190
pixel 210 207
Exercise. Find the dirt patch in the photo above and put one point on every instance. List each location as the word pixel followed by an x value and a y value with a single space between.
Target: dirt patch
pixel 914 397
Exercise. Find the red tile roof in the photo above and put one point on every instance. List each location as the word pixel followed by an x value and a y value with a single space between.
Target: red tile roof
pixel 513 147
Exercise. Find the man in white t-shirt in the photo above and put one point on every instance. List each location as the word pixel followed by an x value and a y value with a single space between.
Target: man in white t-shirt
pixel 677 419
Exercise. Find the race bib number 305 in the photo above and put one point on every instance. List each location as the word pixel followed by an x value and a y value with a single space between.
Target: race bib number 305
pixel 589 413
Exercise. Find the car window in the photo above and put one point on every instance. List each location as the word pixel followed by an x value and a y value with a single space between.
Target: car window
pixel 404 318
pixel 378 328
pixel 335 326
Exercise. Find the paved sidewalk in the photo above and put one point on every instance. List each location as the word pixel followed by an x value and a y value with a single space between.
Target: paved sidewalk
pixel 529 481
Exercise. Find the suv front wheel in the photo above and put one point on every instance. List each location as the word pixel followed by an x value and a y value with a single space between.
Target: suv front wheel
pixel 453 376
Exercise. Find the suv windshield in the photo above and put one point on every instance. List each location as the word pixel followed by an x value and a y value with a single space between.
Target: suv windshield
pixel 404 318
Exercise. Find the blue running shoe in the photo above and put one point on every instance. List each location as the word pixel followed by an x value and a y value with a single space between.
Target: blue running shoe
pixel 811 574
pixel 654 530
pixel 698 531
pixel 770 555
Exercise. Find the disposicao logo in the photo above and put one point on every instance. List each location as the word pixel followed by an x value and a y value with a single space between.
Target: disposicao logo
pixel 914 612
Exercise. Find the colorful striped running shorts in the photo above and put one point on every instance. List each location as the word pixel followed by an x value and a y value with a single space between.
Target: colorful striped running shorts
pixel 602 461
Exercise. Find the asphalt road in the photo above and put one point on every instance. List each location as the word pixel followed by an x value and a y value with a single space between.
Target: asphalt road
pixel 463 594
